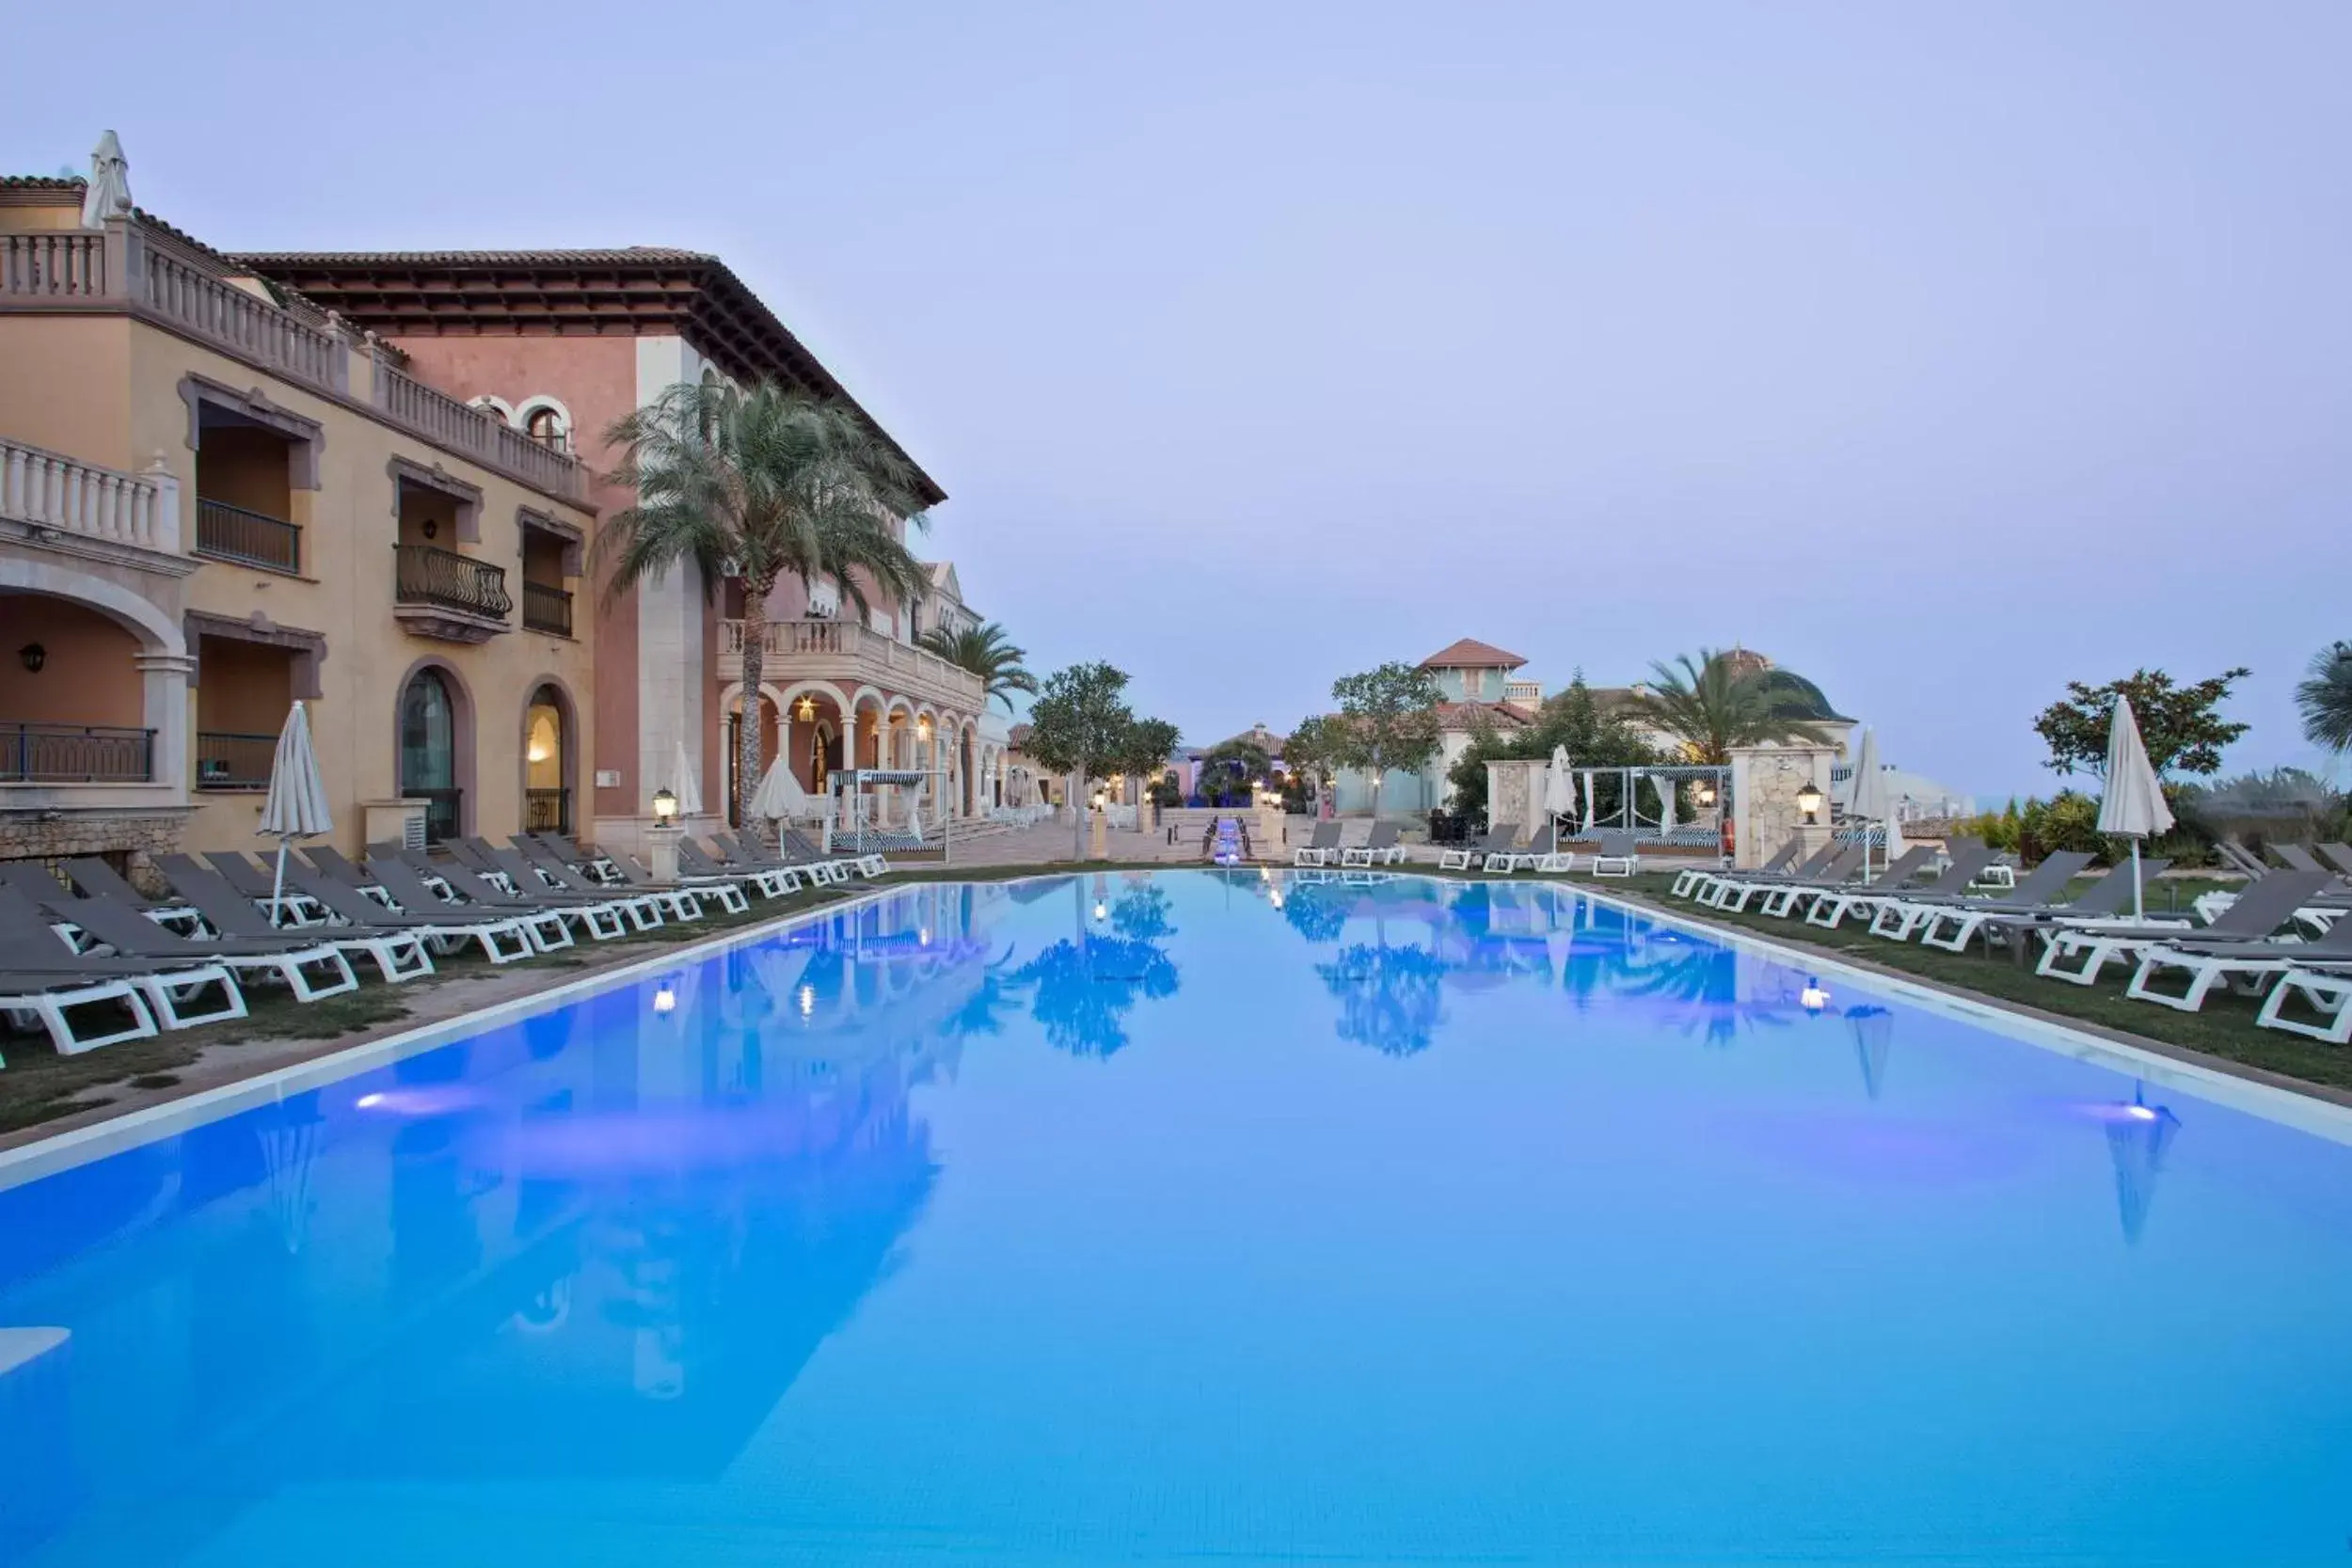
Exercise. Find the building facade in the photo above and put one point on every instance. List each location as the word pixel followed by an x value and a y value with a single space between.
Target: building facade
pixel 216 499
pixel 559 344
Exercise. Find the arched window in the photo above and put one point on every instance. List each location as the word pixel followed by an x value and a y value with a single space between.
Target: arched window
pixel 428 751
pixel 546 795
pixel 546 426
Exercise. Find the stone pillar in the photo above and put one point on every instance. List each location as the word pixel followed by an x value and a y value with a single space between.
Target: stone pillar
pixel 662 853
pixel 1514 796
pixel 1765 781
pixel 164 687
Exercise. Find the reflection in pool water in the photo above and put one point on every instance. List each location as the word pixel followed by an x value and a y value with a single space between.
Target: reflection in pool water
pixel 1127 1217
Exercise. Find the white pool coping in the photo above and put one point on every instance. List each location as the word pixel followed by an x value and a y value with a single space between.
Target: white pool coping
pixel 2320 1118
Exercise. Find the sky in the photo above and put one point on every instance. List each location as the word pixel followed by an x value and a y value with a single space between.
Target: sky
pixel 1944 354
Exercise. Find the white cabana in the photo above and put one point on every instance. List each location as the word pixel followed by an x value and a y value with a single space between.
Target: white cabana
pixel 295 806
pixel 2134 806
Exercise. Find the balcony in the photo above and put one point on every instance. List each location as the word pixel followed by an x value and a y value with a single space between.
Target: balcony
pixel 75 754
pixel 249 538
pixel 450 597
pixel 226 760
pixel 461 427
pixel 87 510
pixel 850 655
pixel 547 608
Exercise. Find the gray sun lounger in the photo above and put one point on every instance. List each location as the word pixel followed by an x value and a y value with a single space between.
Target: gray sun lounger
pixel 1968 859
pixel 2103 900
pixel 447 932
pixel 239 872
pixel 309 968
pixel 2258 911
pixel 2209 963
pixel 1380 847
pixel 94 878
pixel 1693 881
pixel 774 882
pixel 1724 885
pixel 399 955
pixel 693 889
pixel 805 851
pixel 1923 911
pixel 549 921
pixel 1321 846
pixel 646 908
pixel 738 856
pixel 1779 899
pixel 30 945
pixel 533 878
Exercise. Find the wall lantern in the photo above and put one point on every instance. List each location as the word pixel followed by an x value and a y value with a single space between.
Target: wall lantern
pixel 34 656
pixel 664 809
pixel 1810 802
pixel 808 708
pixel 1706 792
pixel 923 728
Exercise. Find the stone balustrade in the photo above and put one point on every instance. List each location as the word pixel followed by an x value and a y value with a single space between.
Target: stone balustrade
pixel 488 440
pixel 865 654
pixel 49 491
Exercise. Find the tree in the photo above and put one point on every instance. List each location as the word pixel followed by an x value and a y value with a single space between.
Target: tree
pixel 1143 755
pixel 2177 724
pixel 988 653
pixel 2324 695
pixel 1388 720
pixel 1715 701
pixel 1230 770
pixel 1077 727
pixel 1309 753
pixel 1570 719
pixel 759 486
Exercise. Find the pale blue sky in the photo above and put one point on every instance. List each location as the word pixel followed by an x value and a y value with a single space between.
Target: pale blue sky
pixel 1942 353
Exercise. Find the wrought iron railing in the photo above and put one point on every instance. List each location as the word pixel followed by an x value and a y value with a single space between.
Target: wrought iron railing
pixel 226 760
pixel 546 811
pixel 238 533
pixel 547 608
pixel 428 574
pixel 75 754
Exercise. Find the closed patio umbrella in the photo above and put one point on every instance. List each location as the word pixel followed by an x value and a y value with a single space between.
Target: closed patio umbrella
pixel 780 795
pixel 295 806
pixel 1559 785
pixel 1665 803
pixel 1869 793
pixel 2133 804
pixel 688 786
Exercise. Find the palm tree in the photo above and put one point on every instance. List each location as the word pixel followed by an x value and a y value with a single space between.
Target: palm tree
pixel 759 486
pixel 1715 701
pixel 988 653
pixel 2324 695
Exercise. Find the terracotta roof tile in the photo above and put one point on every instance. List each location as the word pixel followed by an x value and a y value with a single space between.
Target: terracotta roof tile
pixel 1470 654
pixel 608 256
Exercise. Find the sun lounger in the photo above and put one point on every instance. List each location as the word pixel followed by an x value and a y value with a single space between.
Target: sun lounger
pixel 447 933
pixel 2261 909
pixel 29 944
pixel 1693 881
pixel 546 928
pixel 1729 891
pixel 534 903
pixel 1780 897
pixel 1619 855
pixel 2236 857
pixel 1462 857
pixel 2103 903
pixel 94 878
pixel 1320 847
pixel 52 1000
pixel 399 955
pixel 2338 856
pixel 802 851
pixel 1913 866
pixel 750 854
pixel 309 968
pixel 2244 964
pixel 1380 848
pixel 773 880
pixel 286 905
pixel 535 878
pixel 1925 911
pixel 2324 989
pixel 690 891
pixel 646 909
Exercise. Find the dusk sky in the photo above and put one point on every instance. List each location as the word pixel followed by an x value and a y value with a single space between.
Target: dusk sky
pixel 1942 353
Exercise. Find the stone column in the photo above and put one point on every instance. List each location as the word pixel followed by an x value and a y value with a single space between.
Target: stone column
pixel 1765 781
pixel 1514 796
pixel 164 687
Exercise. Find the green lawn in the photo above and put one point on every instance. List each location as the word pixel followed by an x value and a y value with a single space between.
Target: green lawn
pixel 2224 1027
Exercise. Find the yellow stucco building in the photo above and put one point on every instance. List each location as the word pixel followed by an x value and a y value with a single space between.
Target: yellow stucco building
pixel 216 499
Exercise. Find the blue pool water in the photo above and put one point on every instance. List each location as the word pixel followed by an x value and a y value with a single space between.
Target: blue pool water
pixel 1127 1220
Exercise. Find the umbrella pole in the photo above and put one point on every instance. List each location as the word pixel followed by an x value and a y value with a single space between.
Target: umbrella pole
pixel 278 887
pixel 2139 910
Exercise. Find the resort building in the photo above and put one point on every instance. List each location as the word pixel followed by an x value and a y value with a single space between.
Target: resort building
pixel 1482 689
pixel 555 345
pixel 217 497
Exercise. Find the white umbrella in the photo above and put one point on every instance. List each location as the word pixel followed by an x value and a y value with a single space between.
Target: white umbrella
pixel 688 788
pixel 1559 785
pixel 780 793
pixel 2133 804
pixel 295 806
pixel 915 812
pixel 1869 801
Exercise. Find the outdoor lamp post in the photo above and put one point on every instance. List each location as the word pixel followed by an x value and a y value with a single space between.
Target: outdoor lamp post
pixel 661 838
pixel 1810 802
pixel 664 809
pixel 1706 792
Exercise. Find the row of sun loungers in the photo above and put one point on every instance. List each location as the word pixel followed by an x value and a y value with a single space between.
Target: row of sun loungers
pixel 100 962
pixel 1380 847
pixel 2283 937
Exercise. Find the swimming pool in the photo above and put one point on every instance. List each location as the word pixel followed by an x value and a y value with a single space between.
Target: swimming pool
pixel 1200 1215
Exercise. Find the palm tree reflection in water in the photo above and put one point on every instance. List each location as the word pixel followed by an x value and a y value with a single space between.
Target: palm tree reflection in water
pixel 1389 996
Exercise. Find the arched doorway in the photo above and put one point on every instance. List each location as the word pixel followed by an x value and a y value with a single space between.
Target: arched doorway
pixel 428 753
pixel 547 763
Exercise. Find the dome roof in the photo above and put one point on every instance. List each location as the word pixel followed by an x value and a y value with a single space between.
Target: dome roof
pixel 1794 697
